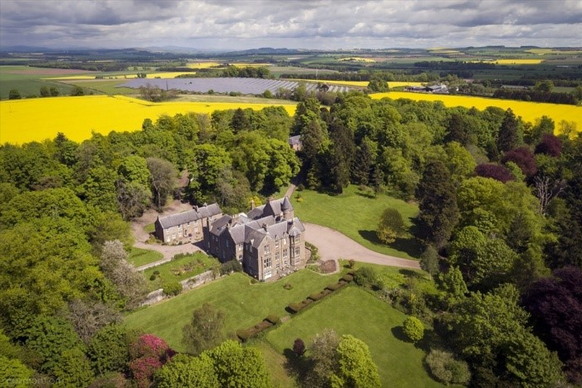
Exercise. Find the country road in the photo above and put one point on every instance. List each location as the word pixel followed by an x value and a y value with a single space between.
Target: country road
pixel 334 245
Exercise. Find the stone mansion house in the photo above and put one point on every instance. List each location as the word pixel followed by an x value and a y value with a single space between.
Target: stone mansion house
pixel 268 241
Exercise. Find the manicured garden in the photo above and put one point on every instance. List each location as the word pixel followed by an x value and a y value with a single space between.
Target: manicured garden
pixel 356 312
pixel 179 269
pixel 244 303
pixel 139 257
pixel 356 214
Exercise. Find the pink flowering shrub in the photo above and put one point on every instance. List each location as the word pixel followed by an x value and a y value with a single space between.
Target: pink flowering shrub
pixel 142 370
pixel 148 354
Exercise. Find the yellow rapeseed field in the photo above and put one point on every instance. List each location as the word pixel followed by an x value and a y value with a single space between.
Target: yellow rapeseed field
pixel 363 84
pixel 37 119
pixel 521 61
pixel 529 111
pixel 202 65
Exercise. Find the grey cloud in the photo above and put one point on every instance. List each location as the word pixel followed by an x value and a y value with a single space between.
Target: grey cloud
pixel 242 24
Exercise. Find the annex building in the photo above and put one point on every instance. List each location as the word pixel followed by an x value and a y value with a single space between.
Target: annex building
pixel 268 241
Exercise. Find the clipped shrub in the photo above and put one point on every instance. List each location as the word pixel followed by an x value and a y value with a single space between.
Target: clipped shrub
pixel 153 277
pixel 254 281
pixel 446 369
pixel 157 273
pixel 295 307
pixel 243 334
pixel 413 329
pixel 263 325
pixel 307 302
pixel 348 278
pixel 274 319
pixel 173 288
pixel 287 286
pixel 326 292
pixel 335 286
pixel 368 278
pixel 315 296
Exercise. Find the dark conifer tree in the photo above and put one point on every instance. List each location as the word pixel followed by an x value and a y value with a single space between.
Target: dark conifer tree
pixel 362 165
pixel 437 203
pixel 508 137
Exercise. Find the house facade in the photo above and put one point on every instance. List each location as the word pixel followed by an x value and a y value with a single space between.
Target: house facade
pixel 268 241
pixel 189 226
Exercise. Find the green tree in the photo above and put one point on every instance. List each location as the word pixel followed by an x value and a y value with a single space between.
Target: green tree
pixel 13 373
pixel 238 366
pixel 205 330
pixel 362 165
pixel 73 369
pixel 108 350
pixel 453 285
pixel 391 226
pixel 490 330
pixel 429 260
pixel 355 365
pixel 324 358
pixel 54 91
pixel 446 368
pixel 188 372
pixel 51 338
pixel 77 91
pixel 459 161
pixel 163 180
pixel 437 204
pixel 509 132
pixel 545 86
pixel 413 329
pixel 14 94
pixel 44 91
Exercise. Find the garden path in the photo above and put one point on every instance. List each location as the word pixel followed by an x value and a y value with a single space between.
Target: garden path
pixel 332 244
pixel 141 236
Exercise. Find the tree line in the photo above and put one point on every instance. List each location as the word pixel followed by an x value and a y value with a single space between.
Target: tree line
pixel 500 222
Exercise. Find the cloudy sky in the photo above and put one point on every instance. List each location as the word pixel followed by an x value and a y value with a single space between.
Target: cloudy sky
pixel 319 24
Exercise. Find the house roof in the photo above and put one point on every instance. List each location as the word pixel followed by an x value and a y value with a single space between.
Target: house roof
pixel 295 140
pixel 192 215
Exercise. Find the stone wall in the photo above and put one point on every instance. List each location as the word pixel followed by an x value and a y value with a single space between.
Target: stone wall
pixel 187 284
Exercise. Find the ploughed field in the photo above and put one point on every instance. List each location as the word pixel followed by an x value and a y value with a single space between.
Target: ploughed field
pixel 227 85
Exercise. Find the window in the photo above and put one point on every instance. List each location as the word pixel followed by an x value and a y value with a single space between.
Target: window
pixel 267 262
pixel 277 244
pixel 284 241
pixel 285 252
pixel 267 248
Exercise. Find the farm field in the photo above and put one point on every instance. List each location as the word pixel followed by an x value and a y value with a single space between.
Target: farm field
pixel 356 312
pixel 357 216
pixel 149 75
pixel 529 111
pixel 37 119
pixel 227 85
pixel 363 84
pixel 243 303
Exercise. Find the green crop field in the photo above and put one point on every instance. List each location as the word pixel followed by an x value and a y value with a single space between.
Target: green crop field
pixel 357 215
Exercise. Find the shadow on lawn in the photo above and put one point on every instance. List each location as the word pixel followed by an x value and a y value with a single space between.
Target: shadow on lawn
pixel 409 245
pixel 295 365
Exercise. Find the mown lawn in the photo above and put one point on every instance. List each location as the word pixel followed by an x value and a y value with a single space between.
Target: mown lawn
pixel 139 257
pixel 179 269
pixel 356 215
pixel 356 312
pixel 244 303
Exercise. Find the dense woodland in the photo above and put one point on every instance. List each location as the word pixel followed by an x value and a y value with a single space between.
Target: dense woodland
pixel 500 222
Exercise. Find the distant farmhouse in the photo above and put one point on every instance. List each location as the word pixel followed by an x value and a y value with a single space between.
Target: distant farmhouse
pixel 436 89
pixel 295 142
pixel 268 241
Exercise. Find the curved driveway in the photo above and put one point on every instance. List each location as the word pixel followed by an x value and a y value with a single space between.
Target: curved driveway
pixel 332 244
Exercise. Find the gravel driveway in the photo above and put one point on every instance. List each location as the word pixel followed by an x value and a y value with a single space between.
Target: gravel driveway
pixel 334 245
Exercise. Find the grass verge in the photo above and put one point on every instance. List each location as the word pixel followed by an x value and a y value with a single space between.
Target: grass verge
pixel 139 257
pixel 244 303
pixel 179 269
pixel 356 312
pixel 356 215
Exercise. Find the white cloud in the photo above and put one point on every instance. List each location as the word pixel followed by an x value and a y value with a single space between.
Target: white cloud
pixel 310 24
